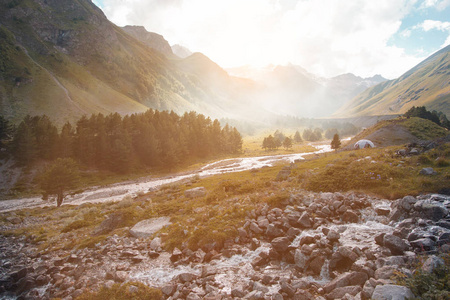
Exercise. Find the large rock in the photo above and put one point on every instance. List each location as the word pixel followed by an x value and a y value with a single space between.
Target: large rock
pixel 300 259
pixel 434 211
pixel 305 220
pixel 316 264
pixel 392 292
pixel 346 279
pixel 113 221
pixel 340 292
pixel 280 244
pixel 148 227
pixel 350 217
pixel 428 171
pixel 197 192
pixel 397 245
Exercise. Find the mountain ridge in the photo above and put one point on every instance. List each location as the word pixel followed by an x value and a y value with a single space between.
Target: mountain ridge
pixel 426 84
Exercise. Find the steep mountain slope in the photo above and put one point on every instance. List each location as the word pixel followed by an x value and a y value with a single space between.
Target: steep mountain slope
pixel 151 39
pixel 348 86
pixel 427 84
pixel 63 58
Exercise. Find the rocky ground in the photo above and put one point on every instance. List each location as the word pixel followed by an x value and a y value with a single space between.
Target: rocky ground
pixel 317 246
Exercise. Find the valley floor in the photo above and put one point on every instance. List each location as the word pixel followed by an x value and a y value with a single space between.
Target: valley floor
pixel 348 225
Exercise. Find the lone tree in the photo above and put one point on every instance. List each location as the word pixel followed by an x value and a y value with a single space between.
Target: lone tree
pixel 336 142
pixel 59 177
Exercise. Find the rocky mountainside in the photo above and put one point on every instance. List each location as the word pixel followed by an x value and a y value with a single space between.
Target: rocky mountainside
pixel 65 59
pixel 151 39
pixel 427 84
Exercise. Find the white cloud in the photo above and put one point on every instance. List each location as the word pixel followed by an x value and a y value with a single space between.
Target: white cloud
pixel 438 4
pixel 327 37
pixel 428 25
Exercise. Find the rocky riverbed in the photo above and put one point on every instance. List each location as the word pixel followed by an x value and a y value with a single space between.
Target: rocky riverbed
pixel 317 246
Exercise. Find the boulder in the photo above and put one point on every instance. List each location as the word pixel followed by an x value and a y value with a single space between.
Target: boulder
pixel 305 220
pixel 346 279
pixel 300 259
pixel 392 292
pixel 176 255
pixel 340 292
pixel 147 228
pixel 316 264
pixel 280 244
pixel 432 263
pixel 255 228
pixel 155 244
pixel 283 174
pixel 427 171
pixel 113 221
pixel 424 244
pixel 333 236
pixel 288 289
pixel 350 217
pixel 197 192
pixel 433 211
pixel 397 245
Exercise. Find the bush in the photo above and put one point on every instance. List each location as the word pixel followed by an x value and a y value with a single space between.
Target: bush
pixel 442 162
pixel 434 285
pixel 76 225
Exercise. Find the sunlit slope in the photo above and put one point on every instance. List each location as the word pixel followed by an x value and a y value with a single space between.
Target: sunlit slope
pixel 427 84
pixel 400 131
pixel 65 59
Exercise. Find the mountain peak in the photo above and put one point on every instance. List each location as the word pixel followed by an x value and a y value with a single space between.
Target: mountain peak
pixel 151 39
pixel 181 51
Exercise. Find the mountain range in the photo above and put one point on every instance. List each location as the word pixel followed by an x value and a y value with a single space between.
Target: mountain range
pixel 427 84
pixel 65 59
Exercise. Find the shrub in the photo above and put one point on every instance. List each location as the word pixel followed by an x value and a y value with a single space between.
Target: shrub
pixel 75 225
pixel 434 285
pixel 442 162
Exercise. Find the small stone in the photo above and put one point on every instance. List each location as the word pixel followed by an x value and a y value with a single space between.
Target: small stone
pixel 427 172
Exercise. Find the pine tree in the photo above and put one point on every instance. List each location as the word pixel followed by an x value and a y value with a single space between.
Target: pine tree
pixel 297 137
pixel 336 142
pixel 5 130
pixel 287 143
pixel 24 144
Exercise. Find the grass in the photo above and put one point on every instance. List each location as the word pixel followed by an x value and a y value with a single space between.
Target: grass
pixel 424 129
pixel 211 220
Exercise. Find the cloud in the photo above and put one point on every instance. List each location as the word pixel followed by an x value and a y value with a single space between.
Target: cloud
pixel 327 37
pixel 428 25
pixel 440 5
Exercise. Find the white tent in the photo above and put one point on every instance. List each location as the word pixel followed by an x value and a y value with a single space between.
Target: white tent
pixel 363 144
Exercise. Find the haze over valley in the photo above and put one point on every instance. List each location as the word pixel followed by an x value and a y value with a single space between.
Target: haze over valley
pixel 239 149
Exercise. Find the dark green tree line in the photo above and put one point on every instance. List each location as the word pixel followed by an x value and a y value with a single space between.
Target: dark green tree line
pixel 120 144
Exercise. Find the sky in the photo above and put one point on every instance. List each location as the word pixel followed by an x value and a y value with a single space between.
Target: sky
pixel 326 37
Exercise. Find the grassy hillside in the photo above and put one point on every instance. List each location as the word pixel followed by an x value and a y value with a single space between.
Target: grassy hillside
pixel 65 59
pixel 400 131
pixel 427 84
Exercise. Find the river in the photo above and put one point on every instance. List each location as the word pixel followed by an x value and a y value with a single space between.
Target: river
pixel 118 191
